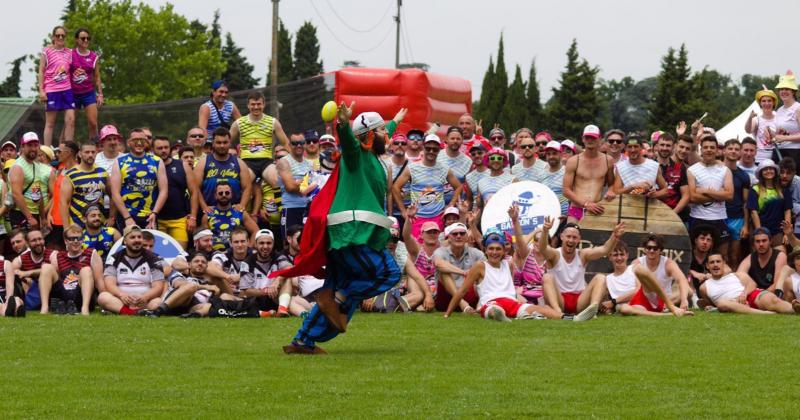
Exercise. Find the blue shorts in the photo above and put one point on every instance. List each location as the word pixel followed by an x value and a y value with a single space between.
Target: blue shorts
pixel 83 100
pixel 60 101
pixel 735 228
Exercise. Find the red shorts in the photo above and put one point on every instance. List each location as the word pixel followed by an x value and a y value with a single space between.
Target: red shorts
pixel 442 299
pixel 570 302
pixel 751 298
pixel 641 300
pixel 510 306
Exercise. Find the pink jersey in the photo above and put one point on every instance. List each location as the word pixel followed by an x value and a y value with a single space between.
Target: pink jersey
pixel 425 266
pixel 56 69
pixel 82 71
pixel 530 278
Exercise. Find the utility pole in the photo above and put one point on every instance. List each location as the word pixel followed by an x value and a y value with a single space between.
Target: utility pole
pixel 397 37
pixel 273 83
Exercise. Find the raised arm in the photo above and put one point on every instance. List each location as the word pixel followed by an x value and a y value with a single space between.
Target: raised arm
pixel 550 255
pixel 595 253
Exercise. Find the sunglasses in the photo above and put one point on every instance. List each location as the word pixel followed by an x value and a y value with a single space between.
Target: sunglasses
pixel 652 248
pixel 527 146
pixel 415 138
pixel 59 36
pixel 312 141
pixel 73 238
pixel 224 193
pixel 477 153
pixel 196 136
pixel 615 142
pixel 298 143
pixel 541 143
pixel 496 158
pixel 433 149
pixel 85 38
pixel 496 138
pixel 459 233
pixel 399 143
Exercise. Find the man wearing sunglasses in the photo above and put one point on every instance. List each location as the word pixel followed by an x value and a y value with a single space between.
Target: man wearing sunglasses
pixel 616 144
pixel 398 163
pixel 292 169
pixel 531 165
pixel 497 138
pixel 71 275
pixel 452 264
pixel 653 267
pixel 454 159
pixel 311 152
pixel 479 170
pixel 414 150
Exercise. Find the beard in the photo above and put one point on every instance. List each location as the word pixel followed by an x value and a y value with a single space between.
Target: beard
pixel 379 145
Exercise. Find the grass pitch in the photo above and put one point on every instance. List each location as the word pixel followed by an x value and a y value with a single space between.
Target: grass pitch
pixel 414 366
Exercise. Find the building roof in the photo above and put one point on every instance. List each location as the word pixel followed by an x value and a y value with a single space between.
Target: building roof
pixel 12 111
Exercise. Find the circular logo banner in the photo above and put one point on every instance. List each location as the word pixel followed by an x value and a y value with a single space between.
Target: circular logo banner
pixel 165 246
pixel 535 201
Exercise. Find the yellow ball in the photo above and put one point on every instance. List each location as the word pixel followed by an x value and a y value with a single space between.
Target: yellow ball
pixel 329 111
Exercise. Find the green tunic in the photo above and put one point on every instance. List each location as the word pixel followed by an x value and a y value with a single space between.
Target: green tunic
pixel 361 186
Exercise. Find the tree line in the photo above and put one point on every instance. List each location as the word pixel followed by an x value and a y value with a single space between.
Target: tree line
pixel 677 93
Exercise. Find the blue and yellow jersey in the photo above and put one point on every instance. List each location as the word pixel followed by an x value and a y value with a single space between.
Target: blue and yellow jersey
pixel 139 183
pixel 102 242
pixel 88 189
pixel 221 223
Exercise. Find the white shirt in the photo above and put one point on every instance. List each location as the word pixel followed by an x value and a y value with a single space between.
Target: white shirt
pixel 620 285
pixel 711 177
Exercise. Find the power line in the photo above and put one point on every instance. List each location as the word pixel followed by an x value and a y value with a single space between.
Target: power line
pixel 347 25
pixel 344 44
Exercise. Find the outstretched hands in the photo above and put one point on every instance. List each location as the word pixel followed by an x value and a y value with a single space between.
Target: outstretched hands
pixel 345 112
pixel 398 118
pixel 619 230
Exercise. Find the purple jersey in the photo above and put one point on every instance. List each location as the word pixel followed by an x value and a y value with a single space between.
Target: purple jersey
pixel 83 81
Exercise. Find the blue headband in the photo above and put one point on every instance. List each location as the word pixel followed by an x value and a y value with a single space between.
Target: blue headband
pixel 217 84
pixel 494 238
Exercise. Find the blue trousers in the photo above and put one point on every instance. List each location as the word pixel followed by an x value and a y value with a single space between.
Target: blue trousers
pixel 357 272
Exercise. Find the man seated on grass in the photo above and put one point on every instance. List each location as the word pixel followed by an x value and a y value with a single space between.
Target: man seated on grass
pixel 452 264
pixel 564 285
pixel 737 292
pixel 621 283
pixel 226 267
pixel 10 305
pixel 497 297
pixel 149 244
pixel 134 277
pixel 71 275
pixel 765 262
pixel 27 268
pixel 188 294
pixel 788 280
pixel 270 294
pixel 664 270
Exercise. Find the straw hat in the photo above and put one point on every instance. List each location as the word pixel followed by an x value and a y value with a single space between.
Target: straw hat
pixel 787 81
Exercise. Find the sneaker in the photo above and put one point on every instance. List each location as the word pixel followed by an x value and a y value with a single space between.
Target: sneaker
pixel 282 313
pixel 296 348
pixel 587 313
pixel 57 306
pixel 70 308
pixel 534 315
pixel 266 314
pixel 148 313
pixel 496 313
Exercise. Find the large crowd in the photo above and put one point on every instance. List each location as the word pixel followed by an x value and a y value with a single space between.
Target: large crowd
pixel 236 192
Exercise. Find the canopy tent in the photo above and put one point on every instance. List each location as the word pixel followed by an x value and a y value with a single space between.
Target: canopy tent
pixel 735 128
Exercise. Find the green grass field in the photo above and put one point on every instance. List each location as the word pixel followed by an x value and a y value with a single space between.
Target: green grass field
pixel 415 366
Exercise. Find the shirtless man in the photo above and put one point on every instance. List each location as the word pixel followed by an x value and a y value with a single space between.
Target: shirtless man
pixel 585 177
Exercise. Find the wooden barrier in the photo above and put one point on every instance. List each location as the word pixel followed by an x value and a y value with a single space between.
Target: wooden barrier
pixel 642 216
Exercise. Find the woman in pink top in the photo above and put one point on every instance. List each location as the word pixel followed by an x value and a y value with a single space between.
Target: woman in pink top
pixel 787 118
pixel 86 86
pixel 55 87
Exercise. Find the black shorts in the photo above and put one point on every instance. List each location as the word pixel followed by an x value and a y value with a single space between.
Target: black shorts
pixel 265 303
pixel 258 166
pixel 720 226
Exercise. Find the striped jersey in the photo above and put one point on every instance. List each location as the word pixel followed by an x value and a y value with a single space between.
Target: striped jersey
pixel 427 188
pixel 255 137
pixel 88 188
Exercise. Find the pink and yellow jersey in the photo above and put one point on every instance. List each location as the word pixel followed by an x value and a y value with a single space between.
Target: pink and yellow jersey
pixel 56 69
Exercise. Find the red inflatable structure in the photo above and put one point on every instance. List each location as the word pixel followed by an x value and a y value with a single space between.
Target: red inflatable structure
pixel 429 97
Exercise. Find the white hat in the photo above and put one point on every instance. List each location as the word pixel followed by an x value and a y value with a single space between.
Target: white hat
pixel 591 130
pixel 367 121
pixel 432 138
pixel 202 234
pixel 569 144
pixel 452 210
pixel 455 227
pixel 29 137
pixel 264 232
pixel 764 164
pixel 552 144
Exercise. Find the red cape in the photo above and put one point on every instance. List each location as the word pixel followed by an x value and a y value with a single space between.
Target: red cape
pixel 314 242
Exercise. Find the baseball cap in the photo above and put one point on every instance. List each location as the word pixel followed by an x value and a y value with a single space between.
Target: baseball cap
pixel 569 144
pixel 108 130
pixel 592 131
pixel 327 139
pixel 202 234
pixel 130 229
pixel 552 144
pixel 544 134
pixel 264 232
pixel 311 135
pixel 451 210
pixel 497 131
pixel 428 226
pixel 48 151
pixel 455 227
pixel 9 143
pixel 29 137
pixel 432 138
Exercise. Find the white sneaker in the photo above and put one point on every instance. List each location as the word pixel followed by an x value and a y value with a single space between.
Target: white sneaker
pixel 587 313
pixel 534 315
pixel 496 313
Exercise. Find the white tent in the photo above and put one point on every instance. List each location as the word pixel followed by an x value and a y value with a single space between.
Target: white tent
pixel 735 128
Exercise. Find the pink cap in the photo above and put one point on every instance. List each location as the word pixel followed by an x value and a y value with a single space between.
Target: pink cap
pixel 568 144
pixel 427 226
pixel 452 210
pixel 28 137
pixel 327 139
pixel 591 130
pixel 108 130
